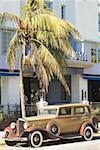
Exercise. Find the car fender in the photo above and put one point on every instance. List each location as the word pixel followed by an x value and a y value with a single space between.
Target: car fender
pixel 33 128
pixel 83 126
pixel 46 134
pixel 9 132
pixel 7 129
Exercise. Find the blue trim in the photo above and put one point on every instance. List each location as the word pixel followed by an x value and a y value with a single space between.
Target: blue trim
pixel 92 77
pixel 9 73
pixel 27 49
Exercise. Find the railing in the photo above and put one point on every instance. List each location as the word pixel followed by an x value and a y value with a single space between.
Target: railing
pixel 80 56
pixel 15 110
pixel 10 110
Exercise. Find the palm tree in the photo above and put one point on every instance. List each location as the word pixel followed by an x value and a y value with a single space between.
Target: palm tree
pixel 47 38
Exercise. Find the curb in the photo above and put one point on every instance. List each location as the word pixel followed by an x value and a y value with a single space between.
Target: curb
pixel 2 142
pixel 98 132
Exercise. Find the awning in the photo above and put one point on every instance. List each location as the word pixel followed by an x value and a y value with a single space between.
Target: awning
pixel 9 73
pixel 91 77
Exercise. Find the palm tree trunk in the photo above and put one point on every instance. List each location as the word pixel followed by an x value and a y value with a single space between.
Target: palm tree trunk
pixel 21 83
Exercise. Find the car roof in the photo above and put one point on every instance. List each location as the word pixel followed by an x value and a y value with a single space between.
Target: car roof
pixel 65 105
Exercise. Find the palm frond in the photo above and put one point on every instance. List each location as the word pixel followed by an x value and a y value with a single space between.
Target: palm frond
pixel 50 40
pixel 42 74
pixel 61 59
pixel 12 51
pixel 47 22
pixel 47 38
pixel 35 62
pixel 51 63
pixel 4 17
pixel 66 48
pixel 73 31
pixel 48 65
pixel 33 5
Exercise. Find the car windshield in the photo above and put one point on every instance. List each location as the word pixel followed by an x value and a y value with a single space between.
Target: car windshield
pixel 48 112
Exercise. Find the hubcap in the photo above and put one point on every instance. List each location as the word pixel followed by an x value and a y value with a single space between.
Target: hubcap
pixel 88 133
pixel 36 139
pixel 54 129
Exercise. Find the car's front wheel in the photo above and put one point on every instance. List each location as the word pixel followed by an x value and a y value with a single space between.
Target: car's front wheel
pixel 36 139
pixel 88 133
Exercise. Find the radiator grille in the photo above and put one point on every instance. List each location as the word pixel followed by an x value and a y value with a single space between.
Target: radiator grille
pixel 19 127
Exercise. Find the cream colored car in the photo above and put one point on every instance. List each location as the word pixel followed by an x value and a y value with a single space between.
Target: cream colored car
pixel 56 121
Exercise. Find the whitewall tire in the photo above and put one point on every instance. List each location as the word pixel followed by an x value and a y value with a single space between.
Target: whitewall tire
pixel 88 133
pixel 36 139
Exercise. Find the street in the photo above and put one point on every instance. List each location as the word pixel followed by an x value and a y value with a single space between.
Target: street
pixel 70 144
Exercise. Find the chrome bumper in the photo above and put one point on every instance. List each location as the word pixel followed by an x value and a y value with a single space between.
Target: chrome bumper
pixel 18 139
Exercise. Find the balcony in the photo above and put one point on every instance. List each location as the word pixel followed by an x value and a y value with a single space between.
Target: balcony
pixel 79 62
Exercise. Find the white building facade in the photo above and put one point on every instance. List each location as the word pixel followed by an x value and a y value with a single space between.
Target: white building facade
pixel 9 81
pixel 81 74
pixel 85 15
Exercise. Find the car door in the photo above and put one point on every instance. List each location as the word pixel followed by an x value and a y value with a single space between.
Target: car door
pixel 80 115
pixel 64 119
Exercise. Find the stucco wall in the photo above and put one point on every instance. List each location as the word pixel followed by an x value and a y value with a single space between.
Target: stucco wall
pixel 10 6
pixel 9 90
pixel 86 19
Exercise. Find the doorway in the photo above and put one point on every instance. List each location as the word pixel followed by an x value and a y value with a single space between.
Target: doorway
pixel 31 86
pixel 94 91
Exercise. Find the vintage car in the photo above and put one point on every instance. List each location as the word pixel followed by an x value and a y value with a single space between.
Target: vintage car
pixel 56 121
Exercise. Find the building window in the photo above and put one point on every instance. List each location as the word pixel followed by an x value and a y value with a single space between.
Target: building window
pixel 63 11
pixel 0 90
pixel 93 56
pixel 6 36
pixel 49 4
pixel 99 22
pixel 98 55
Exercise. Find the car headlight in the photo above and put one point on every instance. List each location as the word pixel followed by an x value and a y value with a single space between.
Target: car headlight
pixel 13 125
pixel 25 125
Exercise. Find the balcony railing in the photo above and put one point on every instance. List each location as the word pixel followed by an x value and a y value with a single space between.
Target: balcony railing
pixel 80 56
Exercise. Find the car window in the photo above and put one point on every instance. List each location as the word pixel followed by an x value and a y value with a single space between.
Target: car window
pixel 86 110
pixel 49 112
pixel 79 110
pixel 65 111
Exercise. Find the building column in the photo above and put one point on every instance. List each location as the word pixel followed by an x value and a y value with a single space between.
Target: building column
pixel 79 89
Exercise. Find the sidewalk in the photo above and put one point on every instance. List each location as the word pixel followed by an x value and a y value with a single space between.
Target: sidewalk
pixel 2 142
